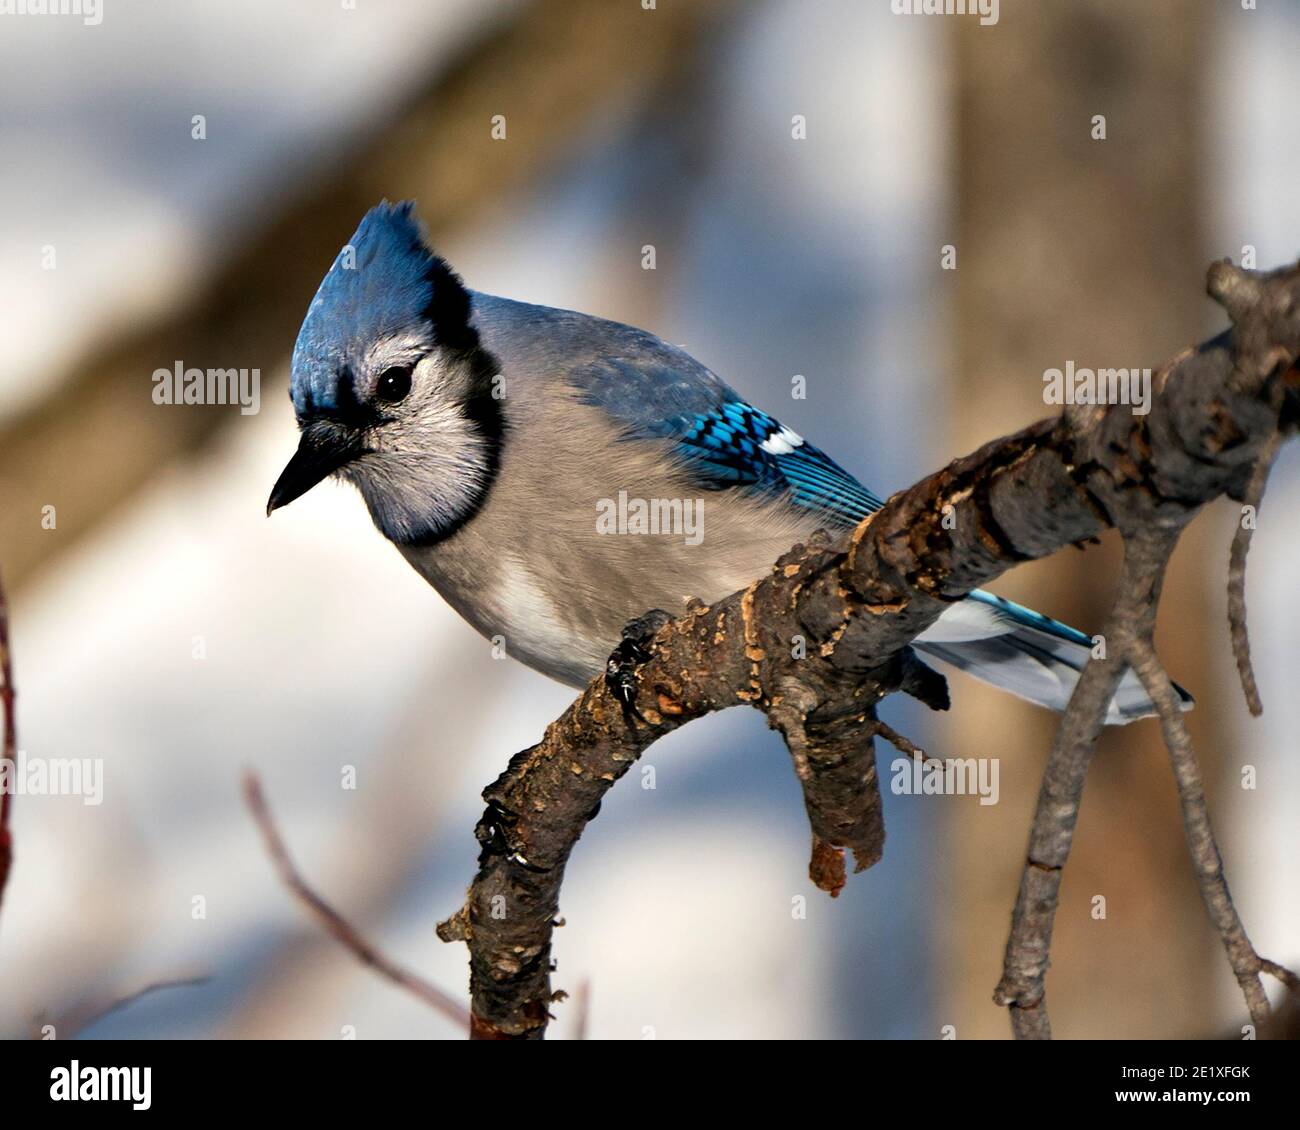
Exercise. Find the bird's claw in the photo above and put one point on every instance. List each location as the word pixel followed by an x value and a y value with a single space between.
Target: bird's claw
pixel 621 666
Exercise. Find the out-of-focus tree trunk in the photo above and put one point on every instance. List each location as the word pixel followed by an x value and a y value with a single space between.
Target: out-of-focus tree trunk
pixel 1075 248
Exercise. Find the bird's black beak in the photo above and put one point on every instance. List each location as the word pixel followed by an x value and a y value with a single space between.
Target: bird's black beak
pixel 324 448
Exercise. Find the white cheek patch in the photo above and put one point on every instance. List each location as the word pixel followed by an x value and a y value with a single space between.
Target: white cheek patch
pixel 782 442
pixel 426 472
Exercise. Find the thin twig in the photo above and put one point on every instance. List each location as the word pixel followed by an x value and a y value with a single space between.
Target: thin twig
pixel 8 693
pixel 1246 964
pixel 1237 574
pixel 335 923
pixel 1129 630
pixel 582 1009
pixel 82 1018
pixel 1024 968
pixel 1282 973
pixel 901 742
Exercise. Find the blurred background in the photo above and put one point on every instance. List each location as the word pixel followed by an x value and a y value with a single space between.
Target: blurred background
pixel 164 626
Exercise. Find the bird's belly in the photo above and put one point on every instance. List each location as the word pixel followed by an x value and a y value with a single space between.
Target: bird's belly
pixel 562 614
pixel 549 633
pixel 568 631
pixel 510 610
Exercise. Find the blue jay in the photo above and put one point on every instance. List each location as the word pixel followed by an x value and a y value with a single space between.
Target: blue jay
pixel 489 438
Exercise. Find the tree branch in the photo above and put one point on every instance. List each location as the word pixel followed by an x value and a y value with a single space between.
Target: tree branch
pixel 9 757
pixel 1021 988
pixel 1237 574
pixel 820 640
pixel 339 927
pixel 73 1023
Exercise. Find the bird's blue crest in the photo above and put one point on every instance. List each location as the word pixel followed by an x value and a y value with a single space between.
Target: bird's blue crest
pixel 385 281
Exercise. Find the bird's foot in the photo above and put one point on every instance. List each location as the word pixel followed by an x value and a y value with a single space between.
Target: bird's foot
pixel 621 666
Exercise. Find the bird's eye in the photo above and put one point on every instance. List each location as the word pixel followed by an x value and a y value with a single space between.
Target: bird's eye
pixel 393 384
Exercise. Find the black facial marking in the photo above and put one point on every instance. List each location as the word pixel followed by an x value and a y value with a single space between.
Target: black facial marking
pixel 449 305
pixel 348 408
pixel 345 392
pixel 449 308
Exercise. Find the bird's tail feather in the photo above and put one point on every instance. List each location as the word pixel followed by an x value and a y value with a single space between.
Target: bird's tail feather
pixel 1041 662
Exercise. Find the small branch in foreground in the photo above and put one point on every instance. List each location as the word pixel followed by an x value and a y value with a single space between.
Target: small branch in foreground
pixel 1024 969
pixel 78 1020
pixel 902 743
pixel 1264 346
pixel 1246 964
pixel 1129 630
pixel 335 923
pixel 1253 496
pixel 583 1010
pixel 8 693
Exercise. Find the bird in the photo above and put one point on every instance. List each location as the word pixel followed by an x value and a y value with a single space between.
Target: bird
pixel 553 474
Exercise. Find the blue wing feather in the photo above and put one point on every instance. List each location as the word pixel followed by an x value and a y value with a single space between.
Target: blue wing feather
pixel 724 442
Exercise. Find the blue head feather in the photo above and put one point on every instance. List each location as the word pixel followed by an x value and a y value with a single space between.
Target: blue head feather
pixel 384 282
